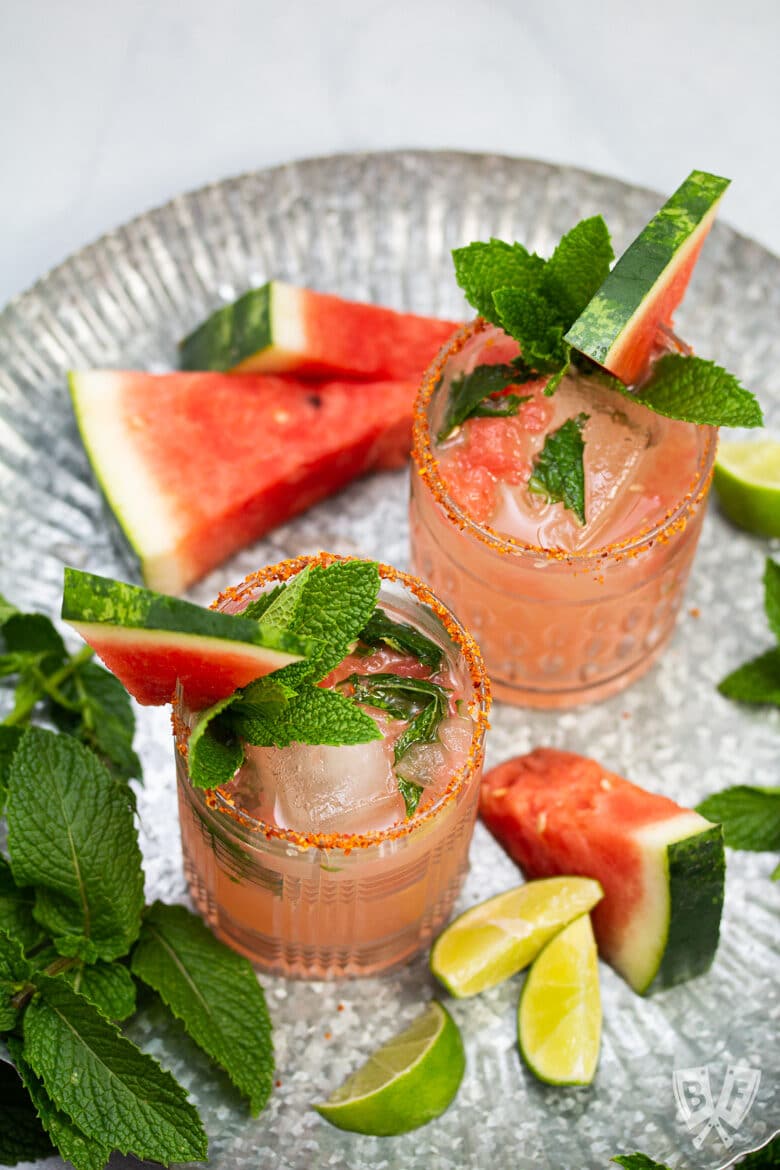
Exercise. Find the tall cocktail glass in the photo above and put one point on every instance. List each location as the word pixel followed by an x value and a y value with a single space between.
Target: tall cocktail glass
pixel 560 626
pixel 323 905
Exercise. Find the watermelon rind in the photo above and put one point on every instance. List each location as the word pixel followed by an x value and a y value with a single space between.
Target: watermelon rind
pixel 91 600
pixel 261 331
pixel 605 328
pixel 674 929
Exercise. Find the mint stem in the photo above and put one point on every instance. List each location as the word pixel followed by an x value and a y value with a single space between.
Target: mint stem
pixel 23 709
pixel 23 997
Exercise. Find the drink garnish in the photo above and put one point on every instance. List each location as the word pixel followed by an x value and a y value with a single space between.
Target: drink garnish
pixel 382 630
pixel 480 394
pixel 758 681
pixel 558 472
pixel 747 482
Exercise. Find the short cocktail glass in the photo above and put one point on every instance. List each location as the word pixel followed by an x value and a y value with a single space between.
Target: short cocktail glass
pixel 323 905
pixel 559 626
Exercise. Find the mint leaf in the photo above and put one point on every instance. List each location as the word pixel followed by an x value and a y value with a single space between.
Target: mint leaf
pixel 9 741
pixel 336 601
pixel 71 835
pixel 214 751
pixel 772 595
pixel 113 1092
pixel 757 681
pixel 697 391
pixel 32 633
pixel 315 716
pixel 284 601
pixel 103 718
pixel 471 391
pixel 14 973
pixel 481 268
pixel 639 1162
pixel 558 470
pixel 22 1137
pixel 750 816
pixel 382 630
pixel 577 268
pixel 108 986
pixel 263 602
pixel 16 910
pixel 213 991
pixel 411 794
pixel 74 1146
pixel 535 324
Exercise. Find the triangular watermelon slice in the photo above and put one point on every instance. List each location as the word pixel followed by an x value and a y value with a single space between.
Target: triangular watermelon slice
pixel 196 466
pixel 283 329
pixel 619 326
pixel 150 641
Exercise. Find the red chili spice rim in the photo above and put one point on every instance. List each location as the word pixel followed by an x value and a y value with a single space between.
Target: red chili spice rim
pixel 673 521
pixel 220 801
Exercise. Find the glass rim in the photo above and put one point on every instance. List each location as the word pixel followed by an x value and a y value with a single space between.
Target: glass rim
pixel 427 466
pixel 220 801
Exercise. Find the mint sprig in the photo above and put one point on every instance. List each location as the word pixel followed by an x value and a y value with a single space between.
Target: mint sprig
pixel 471 395
pixel 558 473
pixel 383 630
pixel 758 681
pixel 697 391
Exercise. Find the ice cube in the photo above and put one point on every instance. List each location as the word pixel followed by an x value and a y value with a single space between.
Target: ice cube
pixel 423 763
pixel 315 788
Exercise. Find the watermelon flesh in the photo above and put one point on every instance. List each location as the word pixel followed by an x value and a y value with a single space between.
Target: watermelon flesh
pixel 196 466
pixel 281 328
pixel 661 866
pixel 619 327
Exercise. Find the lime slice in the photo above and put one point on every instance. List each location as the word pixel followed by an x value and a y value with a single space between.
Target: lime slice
pixel 499 937
pixel 747 480
pixel 406 1083
pixel 559 1017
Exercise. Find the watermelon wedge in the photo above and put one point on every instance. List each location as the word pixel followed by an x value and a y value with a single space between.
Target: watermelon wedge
pixel 281 328
pixel 150 641
pixel 196 466
pixel 619 326
pixel 661 866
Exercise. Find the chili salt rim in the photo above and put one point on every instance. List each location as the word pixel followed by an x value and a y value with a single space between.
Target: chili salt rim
pixel 672 522
pixel 220 801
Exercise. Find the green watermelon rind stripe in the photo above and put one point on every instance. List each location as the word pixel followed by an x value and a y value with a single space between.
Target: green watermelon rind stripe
pixel 232 334
pixel 696 874
pixel 644 262
pixel 93 600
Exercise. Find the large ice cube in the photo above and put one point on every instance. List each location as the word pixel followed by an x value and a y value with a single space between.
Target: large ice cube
pixel 321 789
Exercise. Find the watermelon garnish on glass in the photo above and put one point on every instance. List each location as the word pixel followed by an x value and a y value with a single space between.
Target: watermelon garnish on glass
pixel 281 328
pixel 151 642
pixel 661 866
pixel 619 326
pixel 196 466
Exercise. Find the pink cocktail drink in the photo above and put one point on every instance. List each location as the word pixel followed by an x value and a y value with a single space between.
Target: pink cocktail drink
pixel 308 861
pixel 565 612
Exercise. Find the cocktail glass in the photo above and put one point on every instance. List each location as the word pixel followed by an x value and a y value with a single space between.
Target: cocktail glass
pixel 556 628
pixel 325 905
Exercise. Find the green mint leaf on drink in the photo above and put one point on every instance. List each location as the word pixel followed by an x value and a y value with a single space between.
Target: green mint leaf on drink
pixel 481 268
pixel 213 991
pixel 505 406
pixel 22 1137
pixel 16 910
pixel 411 794
pixel 214 751
pixel 758 681
pixel 750 816
pixel 81 1058
pixel 577 268
pixel 471 394
pixel 535 324
pixel 313 716
pixel 698 391
pixel 14 973
pixel 75 1147
pixel 639 1162
pixel 558 473
pixel 383 630
pixel 89 883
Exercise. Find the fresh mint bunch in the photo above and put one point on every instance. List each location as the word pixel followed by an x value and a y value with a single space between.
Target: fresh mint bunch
pixel 75 936
pixel 758 681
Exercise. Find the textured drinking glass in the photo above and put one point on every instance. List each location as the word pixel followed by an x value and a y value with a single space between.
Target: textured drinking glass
pixel 326 905
pixel 556 628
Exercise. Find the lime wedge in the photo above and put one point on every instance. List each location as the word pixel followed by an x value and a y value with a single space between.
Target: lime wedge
pixel 406 1083
pixel 559 1017
pixel 747 480
pixel 496 939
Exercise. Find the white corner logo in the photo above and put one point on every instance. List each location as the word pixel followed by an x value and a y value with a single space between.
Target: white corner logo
pixel 702 1114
